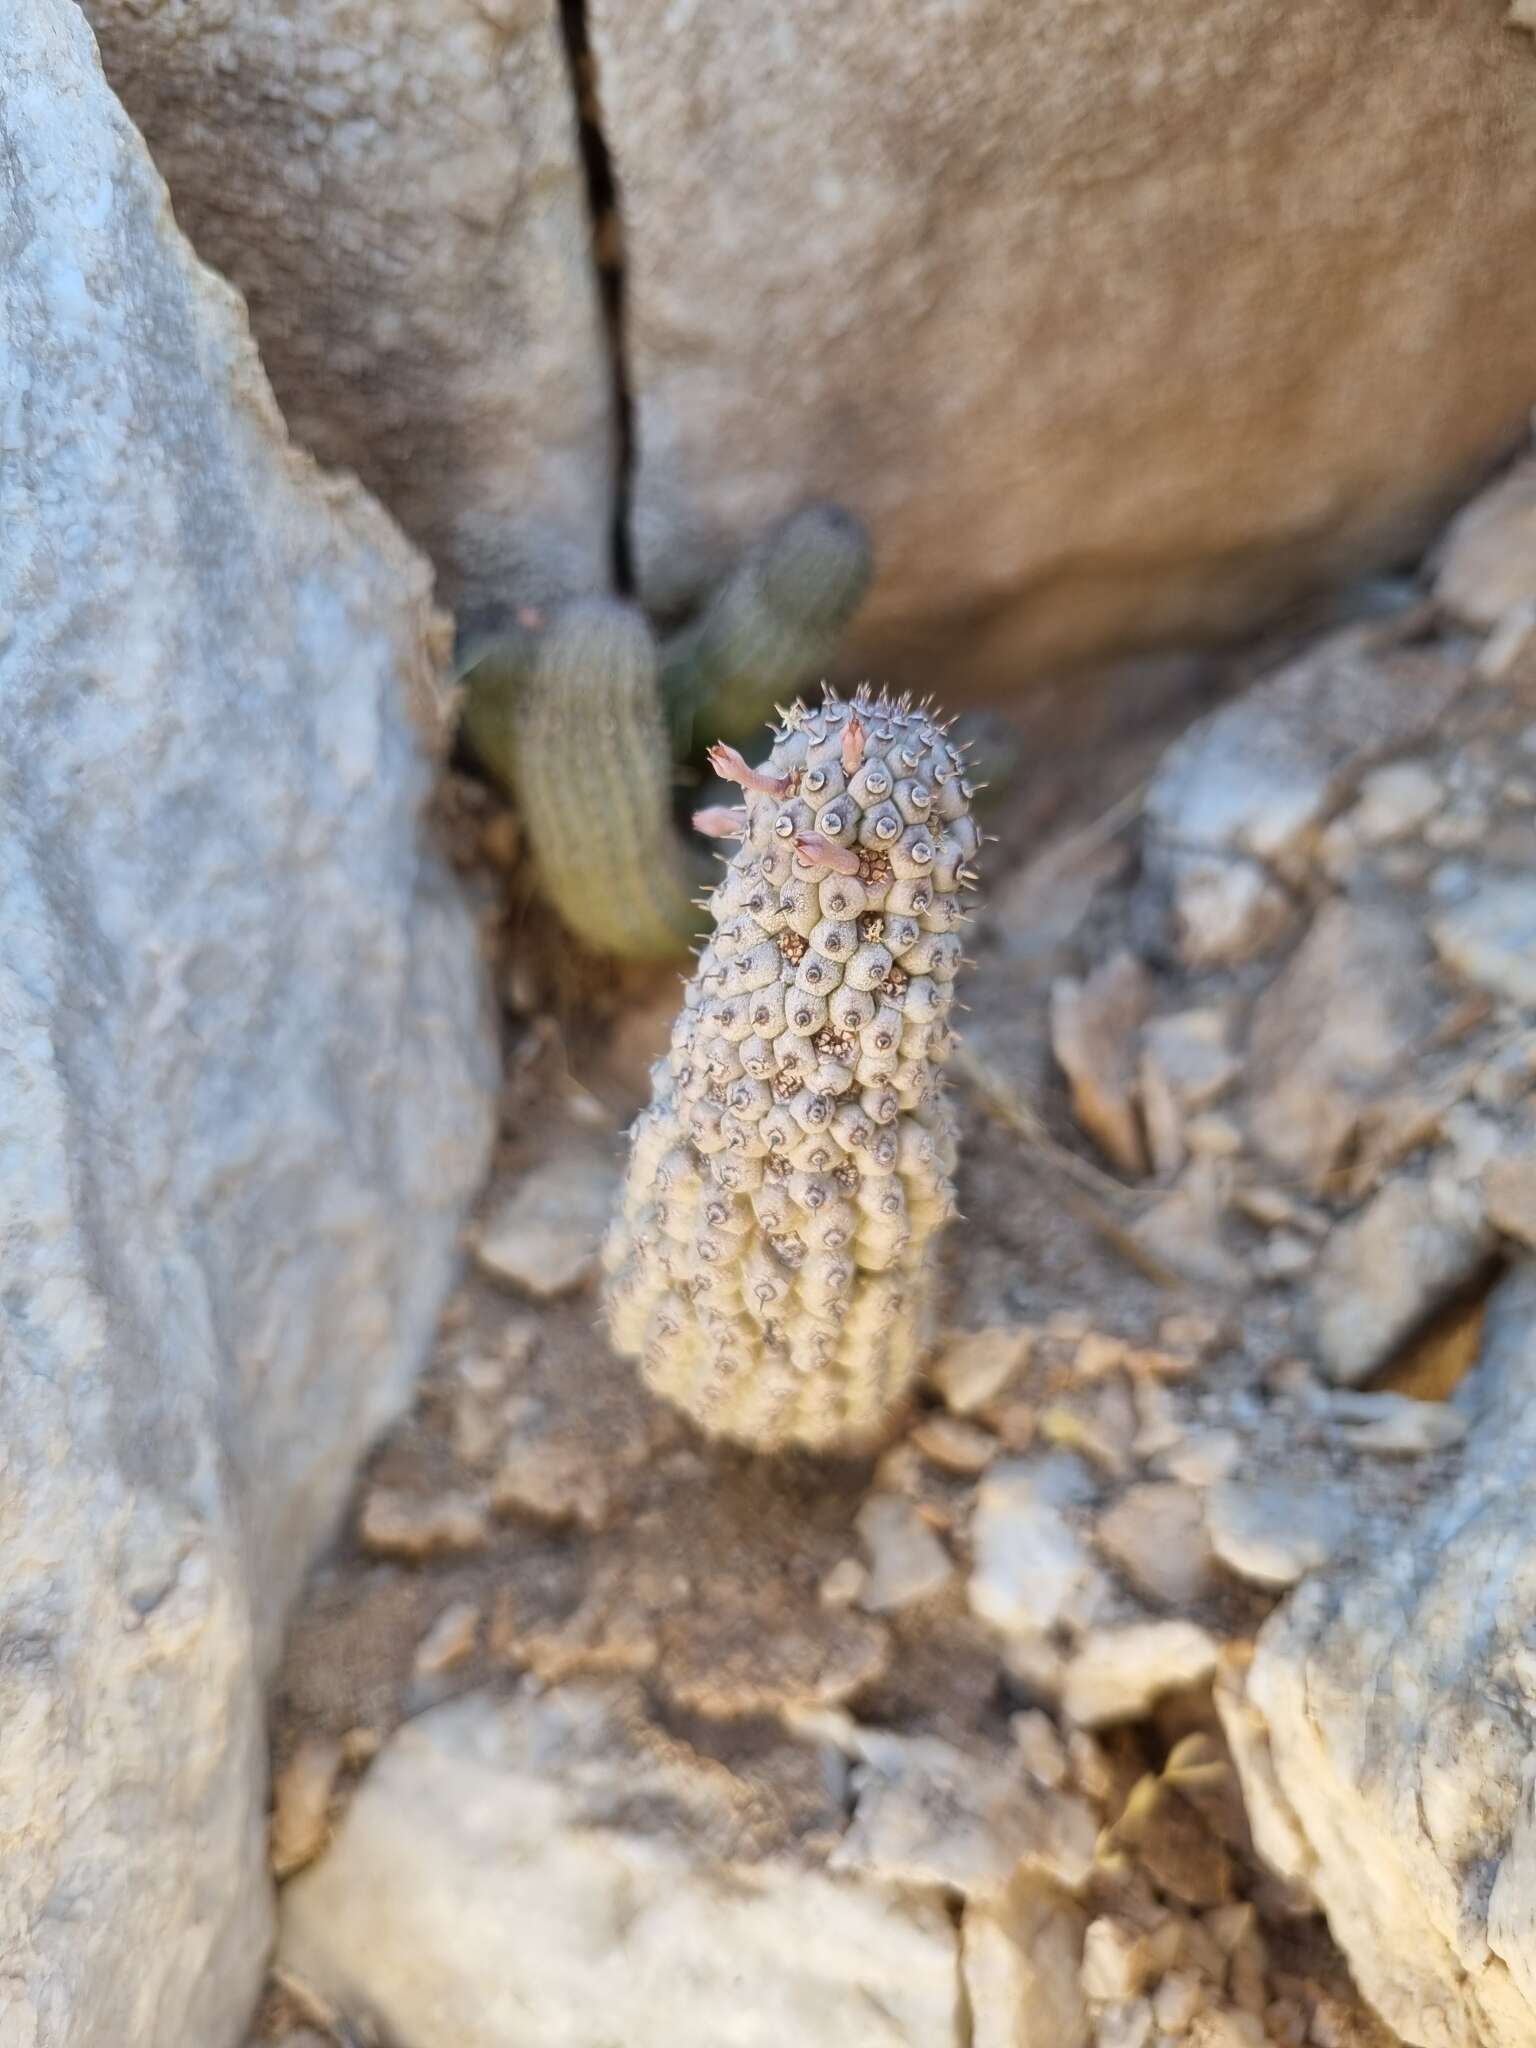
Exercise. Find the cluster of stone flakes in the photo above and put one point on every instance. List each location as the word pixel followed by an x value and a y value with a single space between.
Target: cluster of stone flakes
pixel 771 1264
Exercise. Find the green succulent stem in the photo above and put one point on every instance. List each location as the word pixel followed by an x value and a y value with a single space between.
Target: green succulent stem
pixel 771 627
pixel 570 722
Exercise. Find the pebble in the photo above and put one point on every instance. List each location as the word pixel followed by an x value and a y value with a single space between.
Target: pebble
pixel 1177 1999
pixel 1225 910
pixel 552 1480
pixel 1155 1533
pixel 395 1524
pixel 975 1365
pixel 1031 1567
pixel 544 1236
pixel 1094 1027
pixel 955 1445
pixel 1204 1457
pixel 1396 1425
pixel 1509 1191
pixel 1115 1960
pixel 1098 1354
pixel 843 1584
pixel 1117 1673
pixel 1191 1050
pixel 1126 2025
pixel 1487 559
pixel 1041 1749
pixel 450 1641
pixel 1227 2029
pixel 907 1562
pixel 1272 1534
pixel 1490 939
pixel 301 1801
pixel 1394 801
pixel 1395 1260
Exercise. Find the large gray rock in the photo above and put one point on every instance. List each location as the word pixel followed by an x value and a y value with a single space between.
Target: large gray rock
pixel 1132 322
pixel 398 193
pixel 542 1869
pixel 1387 1732
pixel 244 1073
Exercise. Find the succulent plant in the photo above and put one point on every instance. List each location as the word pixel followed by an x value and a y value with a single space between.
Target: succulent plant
pixel 771 1265
pixel 590 726
pixel 570 720
pixel 771 626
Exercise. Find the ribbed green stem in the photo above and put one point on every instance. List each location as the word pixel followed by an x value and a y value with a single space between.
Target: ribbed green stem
pixel 770 628
pixel 572 724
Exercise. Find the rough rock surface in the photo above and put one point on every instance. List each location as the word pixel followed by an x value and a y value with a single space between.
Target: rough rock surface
pixel 398 193
pixel 1386 1731
pixel 243 1071
pixel 534 1870
pixel 1278 255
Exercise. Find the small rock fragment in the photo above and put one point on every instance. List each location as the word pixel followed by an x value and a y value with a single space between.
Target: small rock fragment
pixel 1182 1857
pixel 954 1445
pixel 1272 1534
pixel 1509 1195
pixel 450 1641
pixel 1155 1533
pixel 1041 1749
pixel 975 1366
pixel 360 1745
pixel 1225 911
pixel 907 1561
pixel 1226 2028
pixel 843 1584
pixel 928 1813
pixel 479 1418
pixel 1102 1430
pixel 1031 1567
pixel 1127 2024
pixel 1097 1354
pixel 1115 1960
pixel 1285 2022
pixel 1490 939
pixel 395 1524
pixel 552 1479
pixel 1487 559
pixel 1394 801
pixel 1094 1025
pixel 1348 1006
pixel 1115 1674
pixel 1506 655
pixel 1183 1230
pixel 301 1801
pixel 1396 1424
pixel 544 1236
pixel 1177 1999
pixel 1019 1954
pixel 1382 1273
pixel 1204 1457
pixel 1213 1136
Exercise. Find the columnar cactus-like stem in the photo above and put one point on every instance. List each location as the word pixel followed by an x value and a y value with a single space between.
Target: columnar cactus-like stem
pixel 570 720
pixel 771 1265
pixel 770 628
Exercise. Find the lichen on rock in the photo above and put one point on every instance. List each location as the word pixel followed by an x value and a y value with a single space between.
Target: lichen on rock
pixel 771 1263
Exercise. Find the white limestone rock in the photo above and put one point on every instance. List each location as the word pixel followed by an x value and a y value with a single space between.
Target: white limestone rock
pixel 244 1069
pixel 1386 1730
pixel 535 1870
